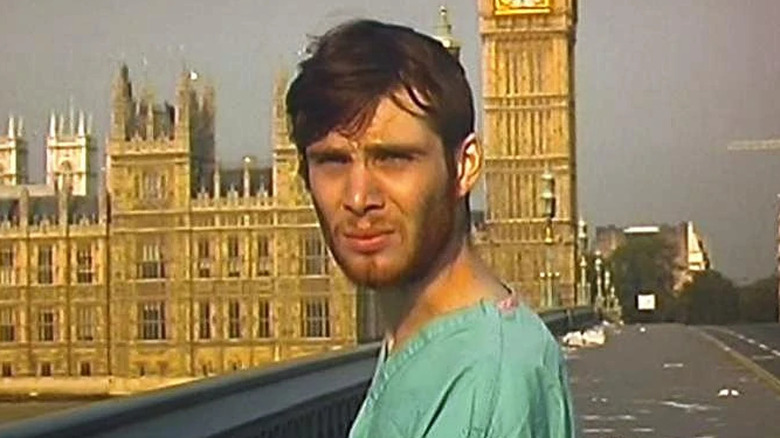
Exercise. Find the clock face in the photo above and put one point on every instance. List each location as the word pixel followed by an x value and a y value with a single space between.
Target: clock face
pixel 509 7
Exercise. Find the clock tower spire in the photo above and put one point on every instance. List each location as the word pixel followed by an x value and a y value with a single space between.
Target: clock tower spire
pixel 529 140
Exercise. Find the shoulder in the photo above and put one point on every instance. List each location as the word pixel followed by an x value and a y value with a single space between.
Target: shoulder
pixel 526 340
pixel 532 395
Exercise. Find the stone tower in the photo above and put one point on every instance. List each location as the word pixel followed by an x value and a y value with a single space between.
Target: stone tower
pixel 70 154
pixel 150 180
pixel 288 188
pixel 528 123
pixel 13 154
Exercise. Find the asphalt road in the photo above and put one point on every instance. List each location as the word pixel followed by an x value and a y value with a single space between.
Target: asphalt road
pixel 669 380
pixel 760 343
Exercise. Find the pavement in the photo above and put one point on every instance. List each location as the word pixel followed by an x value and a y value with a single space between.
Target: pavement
pixel 671 380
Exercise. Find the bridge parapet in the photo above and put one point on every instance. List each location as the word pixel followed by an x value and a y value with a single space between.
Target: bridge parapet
pixel 313 397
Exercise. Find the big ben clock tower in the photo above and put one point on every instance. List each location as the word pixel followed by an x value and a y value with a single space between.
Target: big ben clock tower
pixel 529 140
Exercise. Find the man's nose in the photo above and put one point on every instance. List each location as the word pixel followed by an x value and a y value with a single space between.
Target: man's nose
pixel 361 191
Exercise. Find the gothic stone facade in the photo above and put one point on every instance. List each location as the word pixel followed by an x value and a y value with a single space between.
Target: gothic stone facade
pixel 177 267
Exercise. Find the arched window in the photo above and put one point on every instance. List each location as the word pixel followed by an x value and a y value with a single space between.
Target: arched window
pixel 64 175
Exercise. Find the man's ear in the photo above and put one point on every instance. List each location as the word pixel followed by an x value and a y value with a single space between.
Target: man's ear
pixel 468 161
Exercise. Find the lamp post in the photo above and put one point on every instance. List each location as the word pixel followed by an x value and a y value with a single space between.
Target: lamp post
pixel 599 283
pixel 612 300
pixel 549 298
pixel 583 297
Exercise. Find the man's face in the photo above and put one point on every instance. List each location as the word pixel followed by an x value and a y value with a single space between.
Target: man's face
pixel 384 197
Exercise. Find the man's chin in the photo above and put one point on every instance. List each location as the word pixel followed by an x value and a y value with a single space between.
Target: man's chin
pixel 372 277
pixel 374 282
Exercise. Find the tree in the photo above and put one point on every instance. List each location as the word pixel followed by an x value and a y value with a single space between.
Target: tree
pixel 644 264
pixel 710 298
pixel 758 301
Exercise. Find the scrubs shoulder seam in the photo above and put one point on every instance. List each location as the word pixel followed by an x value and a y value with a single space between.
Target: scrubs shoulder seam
pixel 499 345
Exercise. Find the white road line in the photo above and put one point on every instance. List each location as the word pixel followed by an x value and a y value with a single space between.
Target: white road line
pixel 776 353
pixel 751 341
pixel 762 357
pixel 598 430
pixel 763 347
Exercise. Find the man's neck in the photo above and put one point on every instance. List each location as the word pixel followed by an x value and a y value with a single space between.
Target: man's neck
pixel 459 281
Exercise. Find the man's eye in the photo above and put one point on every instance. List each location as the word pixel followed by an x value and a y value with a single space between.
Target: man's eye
pixel 330 159
pixel 394 158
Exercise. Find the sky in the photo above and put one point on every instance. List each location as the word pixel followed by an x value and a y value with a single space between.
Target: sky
pixel 662 87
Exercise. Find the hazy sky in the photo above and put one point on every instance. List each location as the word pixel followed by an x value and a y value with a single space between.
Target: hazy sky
pixel 662 87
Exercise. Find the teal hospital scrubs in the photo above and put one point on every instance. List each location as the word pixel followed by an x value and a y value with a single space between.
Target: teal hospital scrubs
pixel 490 370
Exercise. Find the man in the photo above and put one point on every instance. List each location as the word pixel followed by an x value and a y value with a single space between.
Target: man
pixel 383 119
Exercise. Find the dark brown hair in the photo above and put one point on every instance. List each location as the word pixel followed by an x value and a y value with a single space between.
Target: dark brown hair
pixel 355 65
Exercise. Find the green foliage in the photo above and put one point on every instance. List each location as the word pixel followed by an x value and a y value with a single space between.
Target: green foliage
pixel 647 264
pixel 644 264
pixel 710 298
pixel 758 301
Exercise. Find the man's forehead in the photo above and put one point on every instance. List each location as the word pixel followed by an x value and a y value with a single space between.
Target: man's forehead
pixel 390 123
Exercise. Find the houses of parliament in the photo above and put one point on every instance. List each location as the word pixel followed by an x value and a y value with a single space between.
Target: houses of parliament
pixel 166 263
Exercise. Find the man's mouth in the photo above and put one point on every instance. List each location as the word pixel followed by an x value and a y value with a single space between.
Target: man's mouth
pixel 367 241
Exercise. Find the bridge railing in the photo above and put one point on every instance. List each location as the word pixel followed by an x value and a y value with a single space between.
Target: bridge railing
pixel 314 397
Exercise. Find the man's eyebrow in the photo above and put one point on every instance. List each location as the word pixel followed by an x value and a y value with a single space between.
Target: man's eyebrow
pixel 406 148
pixel 326 150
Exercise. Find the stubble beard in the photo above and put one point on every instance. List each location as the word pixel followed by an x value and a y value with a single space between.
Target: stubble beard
pixel 423 244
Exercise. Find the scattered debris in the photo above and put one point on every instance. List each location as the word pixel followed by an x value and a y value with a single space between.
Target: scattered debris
pixel 728 392
pixel 573 339
pixel 591 337
pixel 594 336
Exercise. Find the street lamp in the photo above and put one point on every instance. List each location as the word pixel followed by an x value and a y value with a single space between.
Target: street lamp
pixel 548 198
pixel 612 299
pixel 599 284
pixel 583 297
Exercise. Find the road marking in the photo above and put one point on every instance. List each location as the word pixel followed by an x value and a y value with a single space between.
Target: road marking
pixel 603 430
pixel 688 407
pixel 763 347
pixel 751 341
pixel 776 353
pixel 765 375
pixel 643 430
pixel 763 357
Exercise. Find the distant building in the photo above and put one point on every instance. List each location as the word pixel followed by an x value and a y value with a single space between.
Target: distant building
pixel 13 154
pixel 691 254
pixel 71 155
